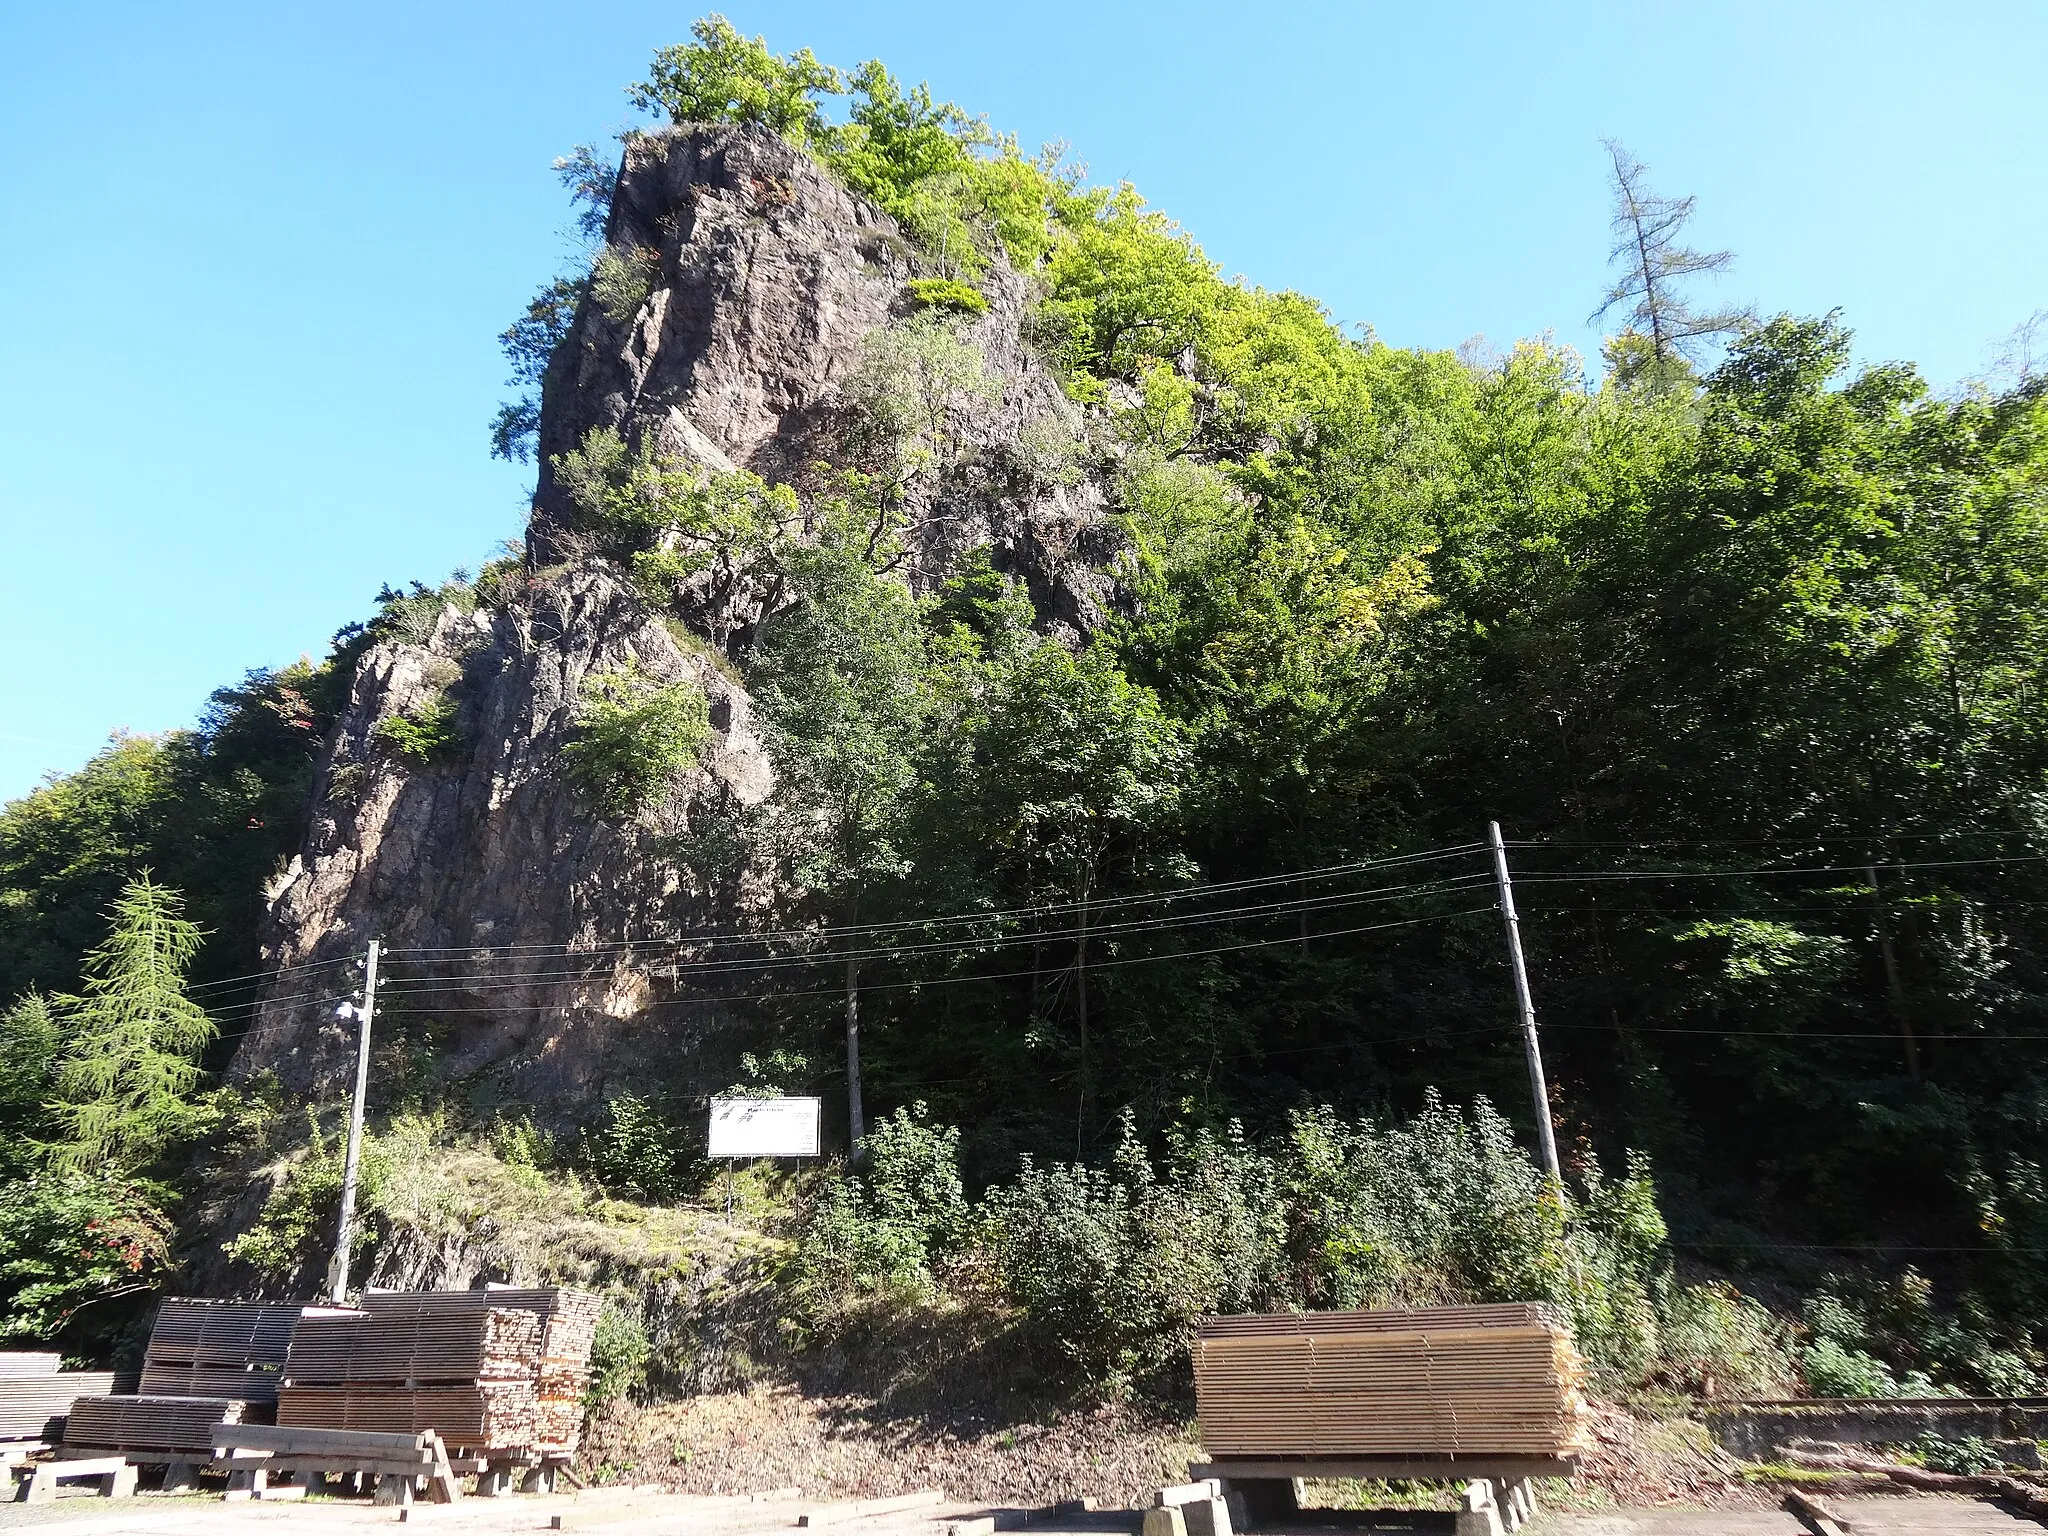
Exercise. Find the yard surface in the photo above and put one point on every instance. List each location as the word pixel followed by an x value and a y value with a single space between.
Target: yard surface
pixel 629 1512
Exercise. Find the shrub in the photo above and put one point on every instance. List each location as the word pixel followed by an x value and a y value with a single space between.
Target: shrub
pixel 638 1148
pixel 872 1240
pixel 1833 1370
pixel 915 381
pixel 619 1352
pixel 71 1239
pixel 1111 1267
pixel 948 293
pixel 426 733
pixel 297 1223
pixel 1713 1340
pixel 631 736
pixel 620 281
pixel 1966 1456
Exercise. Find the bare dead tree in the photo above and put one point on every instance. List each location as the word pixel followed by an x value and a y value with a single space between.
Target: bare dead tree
pixel 1653 267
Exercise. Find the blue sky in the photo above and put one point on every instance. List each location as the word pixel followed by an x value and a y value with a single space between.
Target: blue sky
pixel 256 256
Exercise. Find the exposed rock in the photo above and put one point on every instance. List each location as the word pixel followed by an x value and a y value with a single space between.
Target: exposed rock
pixel 496 848
pixel 770 275
pixel 763 279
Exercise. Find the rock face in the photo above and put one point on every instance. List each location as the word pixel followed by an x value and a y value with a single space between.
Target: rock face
pixel 504 898
pixel 767 278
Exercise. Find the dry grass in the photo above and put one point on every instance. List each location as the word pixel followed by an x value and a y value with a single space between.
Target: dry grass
pixel 774 1436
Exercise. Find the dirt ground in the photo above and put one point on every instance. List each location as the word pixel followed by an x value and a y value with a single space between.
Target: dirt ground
pixel 636 1513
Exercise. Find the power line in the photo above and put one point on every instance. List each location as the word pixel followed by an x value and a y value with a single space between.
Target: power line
pixel 985 944
pixel 1178 893
pixel 1556 877
pixel 717 998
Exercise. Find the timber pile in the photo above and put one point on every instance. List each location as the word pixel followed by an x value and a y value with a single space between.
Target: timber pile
pixel 568 1325
pixel 471 1366
pixel 175 1427
pixel 33 1391
pixel 1430 1382
pixel 232 1349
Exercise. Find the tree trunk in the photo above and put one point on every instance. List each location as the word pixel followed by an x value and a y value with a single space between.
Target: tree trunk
pixel 1081 999
pixel 856 1126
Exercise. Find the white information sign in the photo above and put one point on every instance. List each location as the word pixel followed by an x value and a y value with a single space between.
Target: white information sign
pixel 764 1128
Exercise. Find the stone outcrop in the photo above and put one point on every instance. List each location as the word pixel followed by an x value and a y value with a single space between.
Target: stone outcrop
pixel 488 875
pixel 503 896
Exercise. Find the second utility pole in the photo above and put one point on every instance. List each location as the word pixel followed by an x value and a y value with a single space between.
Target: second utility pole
pixel 1545 1136
pixel 345 1229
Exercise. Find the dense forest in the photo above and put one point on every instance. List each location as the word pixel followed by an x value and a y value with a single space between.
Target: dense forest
pixel 1743 648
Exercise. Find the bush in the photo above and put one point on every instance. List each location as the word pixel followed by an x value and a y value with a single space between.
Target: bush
pixel 872 1241
pixel 295 1230
pixel 424 734
pixel 1111 1267
pixel 637 1149
pixel 1967 1456
pixel 1834 1370
pixel 619 1352
pixel 70 1240
pixel 1714 1341
pixel 631 736
pixel 620 281
pixel 948 293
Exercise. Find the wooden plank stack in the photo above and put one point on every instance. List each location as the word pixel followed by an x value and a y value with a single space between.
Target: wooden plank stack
pixel 207 1363
pixel 1501 1380
pixel 568 1320
pixel 34 1391
pixel 496 1372
pixel 166 1428
pixel 231 1349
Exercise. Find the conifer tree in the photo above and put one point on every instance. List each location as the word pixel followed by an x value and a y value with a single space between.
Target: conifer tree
pixel 1664 330
pixel 131 1055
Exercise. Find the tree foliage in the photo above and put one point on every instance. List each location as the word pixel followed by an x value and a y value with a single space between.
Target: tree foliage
pixel 122 1083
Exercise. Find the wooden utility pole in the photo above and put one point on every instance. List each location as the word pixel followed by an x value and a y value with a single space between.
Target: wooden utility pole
pixel 856 1123
pixel 1538 1088
pixel 1894 987
pixel 344 1234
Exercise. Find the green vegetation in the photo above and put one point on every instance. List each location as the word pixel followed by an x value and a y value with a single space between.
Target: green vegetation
pixel 426 733
pixel 1743 646
pixel 98 1094
pixel 632 735
pixel 1734 615
pixel 1103 1271
pixel 948 293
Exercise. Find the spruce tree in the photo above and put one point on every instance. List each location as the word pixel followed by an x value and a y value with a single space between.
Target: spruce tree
pixel 131 1055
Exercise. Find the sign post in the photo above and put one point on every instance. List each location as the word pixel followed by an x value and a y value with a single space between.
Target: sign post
pixel 761 1128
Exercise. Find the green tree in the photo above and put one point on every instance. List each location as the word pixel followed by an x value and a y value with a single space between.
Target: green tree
pixel 1071 771
pixel 631 735
pixel 121 1089
pixel 724 77
pixel 840 679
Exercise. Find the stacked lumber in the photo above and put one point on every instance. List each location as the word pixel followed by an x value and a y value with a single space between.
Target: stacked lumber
pixel 485 1415
pixel 232 1349
pixel 1429 1382
pixel 33 1391
pixel 463 1364
pixel 176 1426
pixel 568 1325
pixel 416 1345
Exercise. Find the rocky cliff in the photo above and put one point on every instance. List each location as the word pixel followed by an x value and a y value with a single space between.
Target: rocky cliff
pixel 504 894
